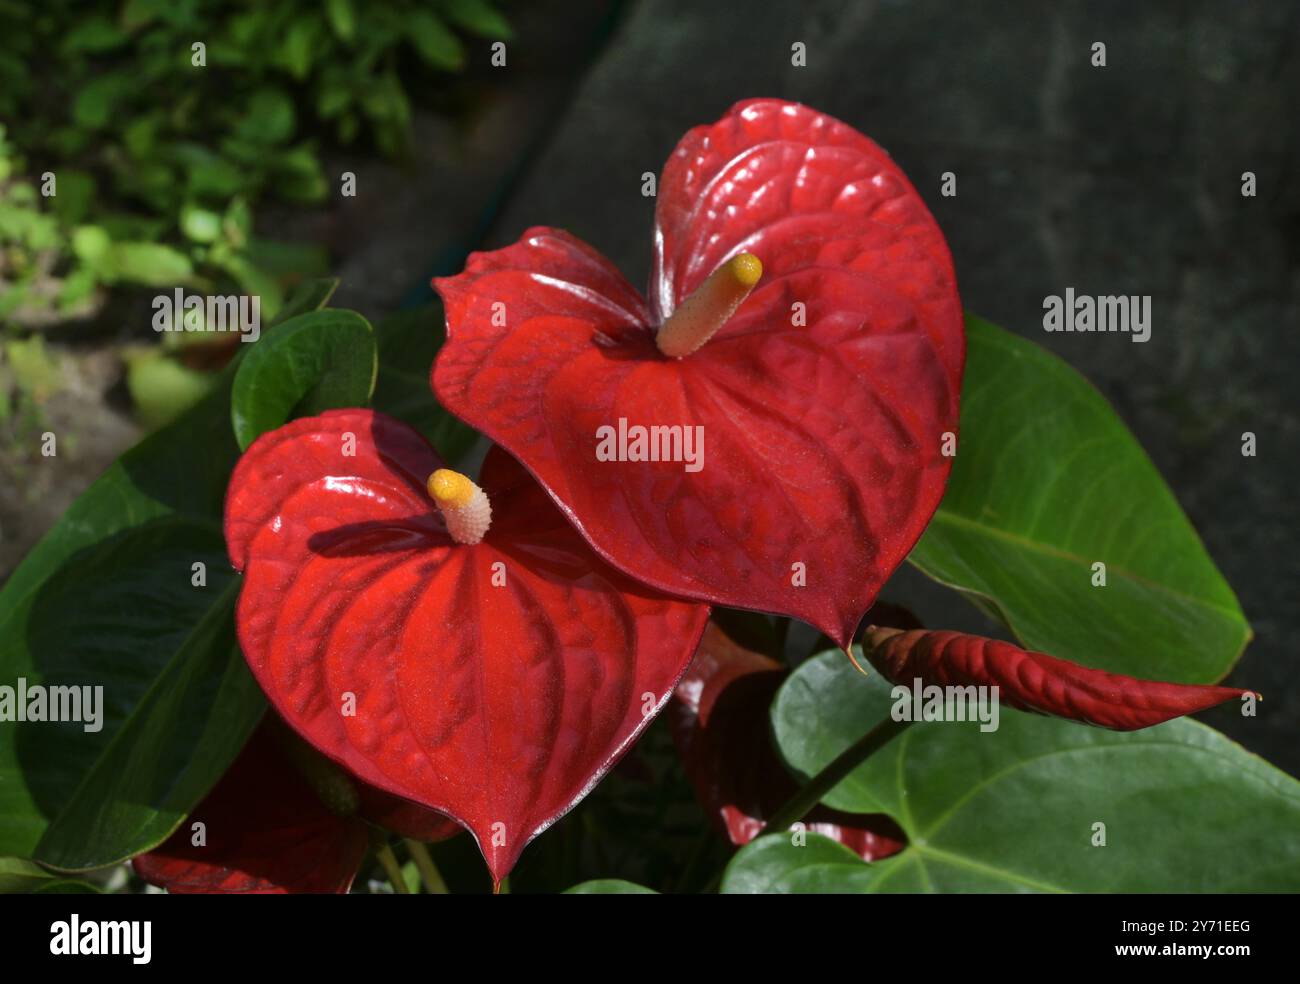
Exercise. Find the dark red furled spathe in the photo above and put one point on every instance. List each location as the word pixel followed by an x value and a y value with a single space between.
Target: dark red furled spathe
pixel 1035 681
pixel 500 705
pixel 822 441
pixel 268 831
pixel 719 718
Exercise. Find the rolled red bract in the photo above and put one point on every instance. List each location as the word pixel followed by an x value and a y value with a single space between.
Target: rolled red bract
pixel 1036 682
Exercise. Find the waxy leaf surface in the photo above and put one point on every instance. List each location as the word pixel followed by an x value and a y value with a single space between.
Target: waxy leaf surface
pixel 1184 809
pixel 116 574
pixel 1048 482
pixel 822 402
pixel 1035 681
pixel 313 362
pixel 164 723
pixel 391 649
pixel 719 718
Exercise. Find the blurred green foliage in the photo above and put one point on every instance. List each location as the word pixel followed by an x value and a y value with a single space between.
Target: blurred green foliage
pixel 136 136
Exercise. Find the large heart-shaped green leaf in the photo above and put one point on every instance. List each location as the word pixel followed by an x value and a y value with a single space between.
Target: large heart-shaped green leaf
pixel 146 616
pixel 1046 483
pixel 316 361
pixel 1017 809
pixel 89 606
pixel 69 616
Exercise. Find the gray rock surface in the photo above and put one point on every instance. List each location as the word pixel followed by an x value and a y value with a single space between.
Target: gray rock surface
pixel 1124 179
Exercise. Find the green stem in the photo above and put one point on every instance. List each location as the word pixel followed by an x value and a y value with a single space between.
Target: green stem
pixel 392 869
pixel 798 805
pixel 429 872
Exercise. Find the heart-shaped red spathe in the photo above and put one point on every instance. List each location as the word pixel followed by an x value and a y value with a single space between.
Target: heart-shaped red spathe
pixel 719 718
pixel 823 441
pixel 495 683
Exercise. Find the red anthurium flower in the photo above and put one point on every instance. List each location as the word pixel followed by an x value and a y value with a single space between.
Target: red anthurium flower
pixel 279 823
pixel 766 431
pixel 719 719
pixel 461 647
pixel 1035 681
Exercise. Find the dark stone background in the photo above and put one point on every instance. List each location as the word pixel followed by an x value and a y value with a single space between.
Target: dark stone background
pixel 1117 180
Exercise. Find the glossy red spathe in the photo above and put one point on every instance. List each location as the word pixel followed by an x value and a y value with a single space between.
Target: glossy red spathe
pixel 494 683
pixel 822 404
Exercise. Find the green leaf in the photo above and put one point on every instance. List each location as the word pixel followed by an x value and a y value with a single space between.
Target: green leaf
pixel 479 17
pixel 140 136
pixel 1048 481
pixel 137 13
pixel 77 288
pixel 1184 808
pixel 66 886
pixel 269 117
pixel 610 886
pixel 296 48
pixel 342 18
pixel 298 175
pixel 314 362
pixel 91 244
pixel 162 388
pixel 435 44
pixel 76 194
pixel 774 865
pixel 151 264
pixel 106 598
pixel 18 875
pixel 175 707
pixel 200 224
pixel 252 280
pixel 408 343
pixel 208 175
pixel 98 100
pixel 95 33
pixel 237 223
pixel 34 371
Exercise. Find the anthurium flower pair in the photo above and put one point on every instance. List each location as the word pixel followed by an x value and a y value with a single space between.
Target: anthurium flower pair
pixel 489 649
